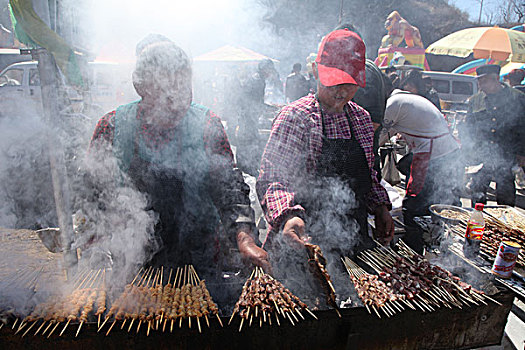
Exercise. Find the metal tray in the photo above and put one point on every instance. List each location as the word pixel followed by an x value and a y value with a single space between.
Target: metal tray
pixel 435 210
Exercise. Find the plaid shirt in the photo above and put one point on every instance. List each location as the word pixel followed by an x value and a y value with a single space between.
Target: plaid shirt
pixel 294 147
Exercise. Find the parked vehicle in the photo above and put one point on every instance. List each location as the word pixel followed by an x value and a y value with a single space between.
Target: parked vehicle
pixel 20 89
pixel 453 89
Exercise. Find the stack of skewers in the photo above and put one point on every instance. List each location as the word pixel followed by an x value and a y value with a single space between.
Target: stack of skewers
pixel 265 298
pixel 88 296
pixel 495 232
pixel 146 300
pixel 418 284
pixel 373 291
pixel 22 283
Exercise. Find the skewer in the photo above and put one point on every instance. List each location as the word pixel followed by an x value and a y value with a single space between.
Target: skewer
pixel 199 325
pixel 39 328
pixel 110 328
pixel 131 324
pixel 288 315
pixel 240 327
pixel 103 323
pixel 78 330
pixel 27 330
pixel 311 313
pixel 22 325
pixel 45 330
pixel 375 310
pixel 220 322
pixel 149 326
pixel 123 323
pixel 138 327
pixel 49 335
pixel 14 324
pixel 69 320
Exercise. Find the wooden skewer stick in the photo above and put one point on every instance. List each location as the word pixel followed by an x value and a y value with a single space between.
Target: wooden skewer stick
pixel 131 324
pixel 138 327
pixel 22 325
pixel 220 322
pixel 311 313
pixel 110 328
pixel 149 326
pixel 207 321
pixel 294 317
pixel 49 326
pixel 251 319
pixel 199 325
pixel 375 310
pixel 49 335
pixel 231 318
pixel 288 315
pixel 14 324
pixel 242 321
pixel 103 323
pixel 64 328
pixel 78 330
pixel 27 330
pixel 123 323
pixel 39 328
pixel 98 323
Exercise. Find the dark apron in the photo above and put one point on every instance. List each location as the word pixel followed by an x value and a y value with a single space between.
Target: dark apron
pixel 181 235
pixel 342 162
pixel 342 166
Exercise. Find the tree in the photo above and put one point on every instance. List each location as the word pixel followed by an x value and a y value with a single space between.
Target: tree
pixel 512 11
pixel 311 19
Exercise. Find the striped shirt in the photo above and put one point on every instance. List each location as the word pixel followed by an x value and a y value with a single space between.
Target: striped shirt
pixel 294 147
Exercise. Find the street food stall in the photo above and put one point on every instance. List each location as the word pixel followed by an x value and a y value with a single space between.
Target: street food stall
pixel 445 313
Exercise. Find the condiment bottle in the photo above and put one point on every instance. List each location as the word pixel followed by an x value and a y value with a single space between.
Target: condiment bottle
pixel 474 232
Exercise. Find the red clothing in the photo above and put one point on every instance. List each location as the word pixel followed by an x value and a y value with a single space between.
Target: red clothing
pixel 215 139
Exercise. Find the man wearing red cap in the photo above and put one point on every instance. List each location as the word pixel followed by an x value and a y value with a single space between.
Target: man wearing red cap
pixel 316 181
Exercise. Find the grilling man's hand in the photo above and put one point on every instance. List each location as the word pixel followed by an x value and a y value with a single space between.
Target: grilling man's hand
pixel 384 231
pixel 293 232
pixel 250 251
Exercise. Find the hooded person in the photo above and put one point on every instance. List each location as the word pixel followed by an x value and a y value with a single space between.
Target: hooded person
pixel 316 180
pixel 176 153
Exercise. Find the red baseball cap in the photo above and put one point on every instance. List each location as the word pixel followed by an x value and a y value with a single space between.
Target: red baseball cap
pixel 341 59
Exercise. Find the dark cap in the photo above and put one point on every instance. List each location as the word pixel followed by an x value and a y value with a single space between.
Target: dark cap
pixel 413 77
pixel 487 69
pixel 341 59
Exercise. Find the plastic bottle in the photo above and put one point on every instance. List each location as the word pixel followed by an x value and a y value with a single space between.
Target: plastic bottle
pixel 474 232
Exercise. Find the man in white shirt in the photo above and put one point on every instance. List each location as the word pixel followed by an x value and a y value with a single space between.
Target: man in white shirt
pixel 436 169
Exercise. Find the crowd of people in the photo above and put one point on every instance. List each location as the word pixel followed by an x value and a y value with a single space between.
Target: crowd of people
pixel 318 178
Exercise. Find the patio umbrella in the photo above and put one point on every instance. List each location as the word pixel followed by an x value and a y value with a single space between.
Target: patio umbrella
pixel 497 43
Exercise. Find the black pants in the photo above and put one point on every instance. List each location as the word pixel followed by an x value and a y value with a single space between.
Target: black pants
pixel 442 186
pixel 501 173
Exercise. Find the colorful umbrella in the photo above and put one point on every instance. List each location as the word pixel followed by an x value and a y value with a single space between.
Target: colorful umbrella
pixel 497 43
